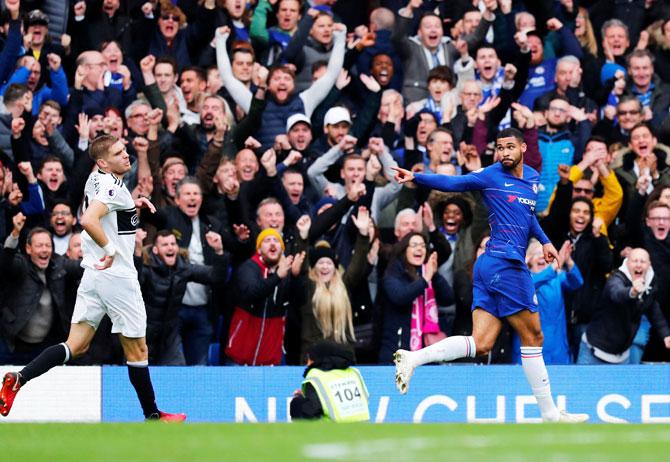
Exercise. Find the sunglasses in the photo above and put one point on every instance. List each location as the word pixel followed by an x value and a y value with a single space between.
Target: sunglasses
pixel 583 190
pixel 167 17
pixel 624 113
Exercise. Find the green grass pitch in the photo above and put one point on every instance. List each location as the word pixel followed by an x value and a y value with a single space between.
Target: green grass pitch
pixel 322 441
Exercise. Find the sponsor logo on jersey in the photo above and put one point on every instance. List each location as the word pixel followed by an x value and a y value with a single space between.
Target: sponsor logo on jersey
pixel 521 200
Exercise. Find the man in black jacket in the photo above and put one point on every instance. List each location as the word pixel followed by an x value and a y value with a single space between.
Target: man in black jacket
pixel 629 293
pixel 649 228
pixel 191 227
pixel 34 303
pixel 100 23
pixel 163 276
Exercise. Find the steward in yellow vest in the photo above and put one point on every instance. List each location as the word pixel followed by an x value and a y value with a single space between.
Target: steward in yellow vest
pixel 332 389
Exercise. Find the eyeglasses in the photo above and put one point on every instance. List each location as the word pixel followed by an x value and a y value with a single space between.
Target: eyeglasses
pixel 134 116
pixel 657 219
pixel 558 109
pixel 61 214
pixel 626 113
pixel 583 190
pixel 417 245
pixel 167 17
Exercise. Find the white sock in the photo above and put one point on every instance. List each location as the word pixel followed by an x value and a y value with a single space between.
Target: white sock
pixel 538 378
pixel 446 350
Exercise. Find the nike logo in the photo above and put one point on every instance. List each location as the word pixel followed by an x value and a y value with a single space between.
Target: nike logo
pixel 509 184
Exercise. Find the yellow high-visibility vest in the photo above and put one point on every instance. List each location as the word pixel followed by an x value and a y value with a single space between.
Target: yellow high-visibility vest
pixel 342 393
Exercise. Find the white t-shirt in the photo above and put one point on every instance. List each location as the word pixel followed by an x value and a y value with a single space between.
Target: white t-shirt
pixel 119 224
pixel 196 294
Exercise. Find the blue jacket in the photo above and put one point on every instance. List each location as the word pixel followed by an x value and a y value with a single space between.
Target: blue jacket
pixel 10 51
pixel 540 81
pixel 549 289
pixel 541 77
pixel 275 116
pixel 58 91
pixel 563 147
pixel 555 149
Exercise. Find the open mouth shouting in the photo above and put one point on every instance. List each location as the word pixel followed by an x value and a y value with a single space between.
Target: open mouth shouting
pixel 644 148
pixel 282 93
pixel 53 183
pixel 580 224
pixel 170 257
pixel 191 208
pixel 451 226
pixel 42 259
pixel 60 226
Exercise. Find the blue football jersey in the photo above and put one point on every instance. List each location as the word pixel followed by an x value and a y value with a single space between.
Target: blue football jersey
pixel 511 202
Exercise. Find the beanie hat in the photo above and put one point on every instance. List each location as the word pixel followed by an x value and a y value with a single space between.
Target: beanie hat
pixel 328 355
pixel 323 201
pixel 608 70
pixel 321 250
pixel 269 232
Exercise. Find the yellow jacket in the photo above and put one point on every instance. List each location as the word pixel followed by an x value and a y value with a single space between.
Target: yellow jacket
pixel 606 207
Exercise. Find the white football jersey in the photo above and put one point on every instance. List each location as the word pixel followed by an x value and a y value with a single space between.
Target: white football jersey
pixel 119 224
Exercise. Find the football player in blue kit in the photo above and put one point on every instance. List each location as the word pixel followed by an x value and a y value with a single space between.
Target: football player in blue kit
pixel 502 283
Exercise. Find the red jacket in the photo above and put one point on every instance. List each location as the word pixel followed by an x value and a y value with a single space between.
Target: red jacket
pixel 256 334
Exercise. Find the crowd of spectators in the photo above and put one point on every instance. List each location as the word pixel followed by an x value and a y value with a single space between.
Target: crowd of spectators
pixel 265 133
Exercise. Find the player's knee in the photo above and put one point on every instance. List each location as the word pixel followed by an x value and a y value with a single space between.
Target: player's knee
pixel 77 349
pixel 137 352
pixel 534 338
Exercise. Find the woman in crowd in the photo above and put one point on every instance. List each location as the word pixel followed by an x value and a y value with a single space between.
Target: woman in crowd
pixel 412 288
pixel 326 310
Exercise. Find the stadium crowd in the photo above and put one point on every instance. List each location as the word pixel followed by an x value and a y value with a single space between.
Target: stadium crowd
pixel 265 133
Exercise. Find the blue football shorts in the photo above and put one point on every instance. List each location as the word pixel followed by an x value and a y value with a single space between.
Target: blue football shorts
pixel 502 287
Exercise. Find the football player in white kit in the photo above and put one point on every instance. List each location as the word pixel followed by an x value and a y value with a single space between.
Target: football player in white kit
pixel 109 284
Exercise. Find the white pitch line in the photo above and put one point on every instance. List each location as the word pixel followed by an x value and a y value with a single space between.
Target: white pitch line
pixel 401 449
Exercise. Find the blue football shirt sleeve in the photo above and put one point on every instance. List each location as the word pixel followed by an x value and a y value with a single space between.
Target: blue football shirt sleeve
pixel 537 232
pixel 470 182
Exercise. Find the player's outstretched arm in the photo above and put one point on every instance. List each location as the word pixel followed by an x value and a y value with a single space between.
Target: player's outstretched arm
pixel 471 182
pixel 90 221
pixel 403 175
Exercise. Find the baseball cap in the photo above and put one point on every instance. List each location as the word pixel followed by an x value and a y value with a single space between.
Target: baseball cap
pixel 36 17
pixel 336 115
pixel 296 118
